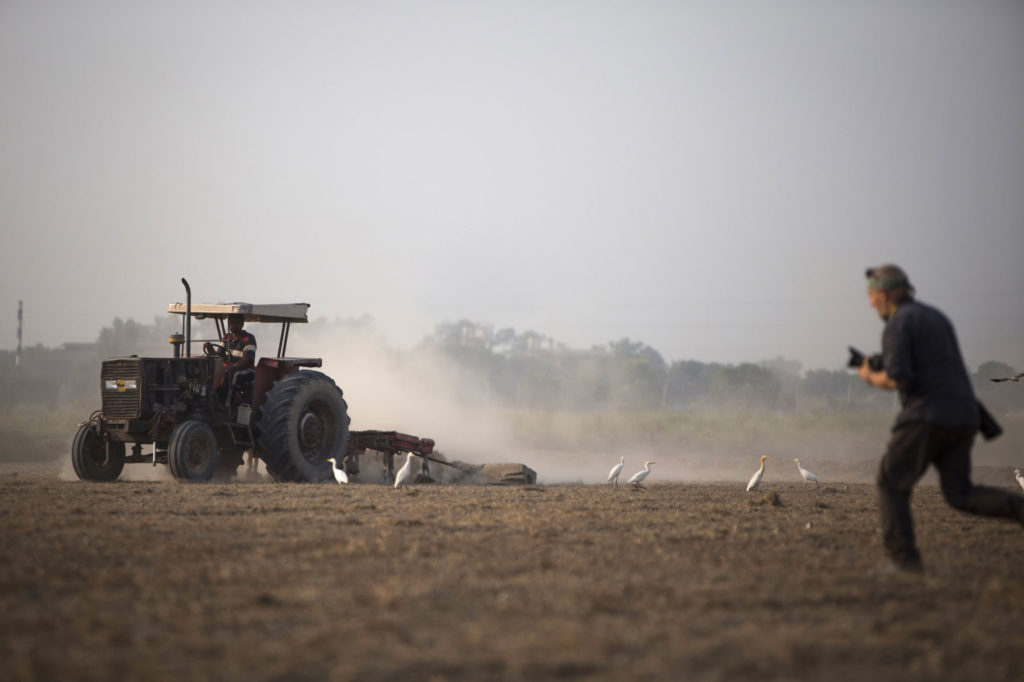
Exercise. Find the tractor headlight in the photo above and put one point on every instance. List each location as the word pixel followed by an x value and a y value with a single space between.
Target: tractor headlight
pixel 121 385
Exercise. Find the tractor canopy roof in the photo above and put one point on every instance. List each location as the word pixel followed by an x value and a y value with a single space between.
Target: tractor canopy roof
pixel 253 312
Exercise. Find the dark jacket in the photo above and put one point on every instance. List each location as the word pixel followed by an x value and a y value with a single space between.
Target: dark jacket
pixel 920 353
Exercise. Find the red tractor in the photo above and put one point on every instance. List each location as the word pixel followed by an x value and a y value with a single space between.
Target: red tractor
pixel 201 419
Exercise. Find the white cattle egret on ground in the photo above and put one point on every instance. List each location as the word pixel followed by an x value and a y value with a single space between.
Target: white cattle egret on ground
pixel 808 476
pixel 638 478
pixel 755 480
pixel 405 476
pixel 339 474
pixel 613 475
pixel 1020 479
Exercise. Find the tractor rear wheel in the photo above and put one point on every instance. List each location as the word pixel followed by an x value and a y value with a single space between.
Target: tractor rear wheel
pixel 304 421
pixel 94 458
pixel 192 452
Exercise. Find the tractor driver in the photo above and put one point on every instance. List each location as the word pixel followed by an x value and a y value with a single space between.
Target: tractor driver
pixel 239 353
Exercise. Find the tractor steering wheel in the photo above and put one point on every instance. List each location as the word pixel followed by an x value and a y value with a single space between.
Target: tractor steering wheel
pixel 213 350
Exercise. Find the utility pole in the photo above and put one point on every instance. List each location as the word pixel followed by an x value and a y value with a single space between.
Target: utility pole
pixel 17 357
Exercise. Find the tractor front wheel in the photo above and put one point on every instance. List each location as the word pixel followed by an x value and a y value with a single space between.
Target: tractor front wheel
pixel 192 452
pixel 94 458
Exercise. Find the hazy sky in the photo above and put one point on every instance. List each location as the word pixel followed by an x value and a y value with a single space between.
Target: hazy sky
pixel 710 178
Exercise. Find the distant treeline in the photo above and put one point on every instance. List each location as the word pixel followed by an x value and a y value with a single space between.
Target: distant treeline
pixel 527 371
pixel 530 371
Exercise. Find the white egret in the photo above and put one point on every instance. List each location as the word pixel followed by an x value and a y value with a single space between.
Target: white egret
pixel 808 476
pixel 1020 479
pixel 638 478
pixel 613 475
pixel 755 480
pixel 405 476
pixel 339 474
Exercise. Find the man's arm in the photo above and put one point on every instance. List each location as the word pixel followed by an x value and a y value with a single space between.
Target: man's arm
pixel 897 367
pixel 878 379
pixel 244 362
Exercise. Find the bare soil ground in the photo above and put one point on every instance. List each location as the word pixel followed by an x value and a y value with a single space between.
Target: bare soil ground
pixel 155 580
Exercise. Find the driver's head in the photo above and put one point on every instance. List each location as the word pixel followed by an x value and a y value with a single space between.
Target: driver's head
pixel 235 323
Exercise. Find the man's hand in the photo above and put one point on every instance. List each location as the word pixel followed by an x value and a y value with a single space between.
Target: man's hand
pixel 864 371
pixel 878 379
pixel 212 349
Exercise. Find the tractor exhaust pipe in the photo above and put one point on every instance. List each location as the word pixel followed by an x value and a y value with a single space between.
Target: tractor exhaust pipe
pixel 188 318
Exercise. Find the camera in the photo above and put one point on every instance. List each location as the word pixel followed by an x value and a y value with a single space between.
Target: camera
pixel 857 359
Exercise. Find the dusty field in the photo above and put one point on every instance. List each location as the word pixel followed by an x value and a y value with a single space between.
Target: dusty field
pixel 156 580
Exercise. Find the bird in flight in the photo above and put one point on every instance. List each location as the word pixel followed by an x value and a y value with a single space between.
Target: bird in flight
pixel 339 474
pixel 755 480
pixel 613 475
pixel 637 479
pixel 1015 377
pixel 808 476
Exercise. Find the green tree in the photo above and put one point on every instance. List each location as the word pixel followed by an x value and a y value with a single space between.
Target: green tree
pixel 637 374
pixel 689 382
pixel 745 386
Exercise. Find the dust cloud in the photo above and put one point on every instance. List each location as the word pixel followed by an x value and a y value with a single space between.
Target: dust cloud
pixel 417 392
pixel 423 393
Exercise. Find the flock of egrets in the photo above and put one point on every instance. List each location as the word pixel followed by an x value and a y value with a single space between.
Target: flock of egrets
pixel 755 480
pixel 406 476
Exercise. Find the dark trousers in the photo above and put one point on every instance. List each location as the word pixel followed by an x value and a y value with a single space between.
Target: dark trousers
pixel 911 449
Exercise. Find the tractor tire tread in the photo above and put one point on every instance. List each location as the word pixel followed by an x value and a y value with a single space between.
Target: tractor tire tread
pixel 275 429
